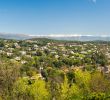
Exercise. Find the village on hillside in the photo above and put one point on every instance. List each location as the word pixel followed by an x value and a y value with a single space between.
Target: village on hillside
pixel 58 64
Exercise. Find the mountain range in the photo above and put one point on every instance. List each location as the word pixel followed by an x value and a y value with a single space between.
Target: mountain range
pixel 56 37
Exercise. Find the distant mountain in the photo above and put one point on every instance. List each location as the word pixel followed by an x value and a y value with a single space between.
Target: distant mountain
pixel 14 36
pixel 56 37
pixel 83 38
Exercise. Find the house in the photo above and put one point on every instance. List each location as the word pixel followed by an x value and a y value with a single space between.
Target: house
pixel 23 62
pixel 23 52
pixel 57 56
pixel 9 54
pixel 17 58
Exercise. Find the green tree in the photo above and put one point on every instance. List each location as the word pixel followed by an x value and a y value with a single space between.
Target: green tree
pixel 82 79
pixel 27 89
pixel 9 73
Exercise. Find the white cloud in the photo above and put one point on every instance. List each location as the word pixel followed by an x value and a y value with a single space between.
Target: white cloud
pixel 94 1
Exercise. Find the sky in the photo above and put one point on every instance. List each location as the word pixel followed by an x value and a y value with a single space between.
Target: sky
pixel 42 17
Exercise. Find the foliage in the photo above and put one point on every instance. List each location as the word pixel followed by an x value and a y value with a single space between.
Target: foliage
pixel 54 70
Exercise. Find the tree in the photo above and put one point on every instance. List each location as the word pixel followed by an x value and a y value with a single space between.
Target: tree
pixel 82 79
pixel 38 90
pixel 64 89
pixel 96 96
pixel 99 83
pixel 71 76
pixel 21 90
pixel 9 73
pixel 26 90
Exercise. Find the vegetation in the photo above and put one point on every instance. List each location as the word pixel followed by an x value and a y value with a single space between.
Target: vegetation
pixel 45 69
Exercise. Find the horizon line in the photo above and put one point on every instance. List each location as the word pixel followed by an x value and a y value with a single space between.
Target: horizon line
pixel 53 35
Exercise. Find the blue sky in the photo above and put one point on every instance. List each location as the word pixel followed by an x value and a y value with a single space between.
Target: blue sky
pixel 86 17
